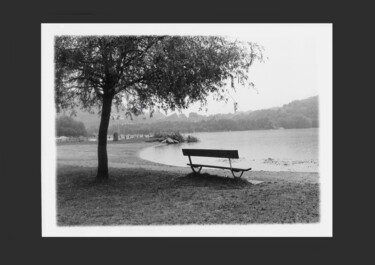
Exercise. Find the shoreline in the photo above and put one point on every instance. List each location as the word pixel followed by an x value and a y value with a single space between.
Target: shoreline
pixel 127 155
pixel 265 165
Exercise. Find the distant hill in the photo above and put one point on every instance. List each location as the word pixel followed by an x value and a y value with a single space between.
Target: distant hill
pixel 296 114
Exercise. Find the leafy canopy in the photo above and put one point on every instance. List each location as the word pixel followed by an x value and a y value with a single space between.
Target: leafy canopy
pixel 144 72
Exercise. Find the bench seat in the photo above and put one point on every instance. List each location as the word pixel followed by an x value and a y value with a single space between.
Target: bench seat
pixel 233 169
pixel 229 154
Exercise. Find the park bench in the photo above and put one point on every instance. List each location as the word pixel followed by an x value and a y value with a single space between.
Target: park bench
pixel 230 154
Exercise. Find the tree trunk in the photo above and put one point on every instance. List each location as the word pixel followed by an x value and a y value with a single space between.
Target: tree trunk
pixel 102 141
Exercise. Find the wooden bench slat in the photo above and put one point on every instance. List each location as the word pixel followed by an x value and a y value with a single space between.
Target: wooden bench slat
pixel 211 153
pixel 211 166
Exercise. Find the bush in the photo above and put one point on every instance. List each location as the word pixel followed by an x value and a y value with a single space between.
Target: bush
pixel 191 139
pixel 176 136
pixel 67 126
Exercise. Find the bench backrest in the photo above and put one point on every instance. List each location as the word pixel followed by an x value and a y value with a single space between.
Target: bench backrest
pixel 211 153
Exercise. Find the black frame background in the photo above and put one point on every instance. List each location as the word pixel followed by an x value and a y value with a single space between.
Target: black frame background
pixel 22 39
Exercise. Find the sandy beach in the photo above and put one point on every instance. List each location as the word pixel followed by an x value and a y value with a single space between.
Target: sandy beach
pixel 142 192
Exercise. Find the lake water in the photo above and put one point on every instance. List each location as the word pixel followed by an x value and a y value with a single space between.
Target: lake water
pixel 268 150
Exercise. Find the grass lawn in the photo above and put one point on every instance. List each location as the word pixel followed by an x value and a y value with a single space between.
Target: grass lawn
pixel 144 193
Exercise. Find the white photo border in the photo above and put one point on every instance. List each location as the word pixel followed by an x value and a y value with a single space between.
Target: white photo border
pixel 322 33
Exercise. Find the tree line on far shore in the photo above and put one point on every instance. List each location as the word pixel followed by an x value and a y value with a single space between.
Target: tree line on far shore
pixel 297 114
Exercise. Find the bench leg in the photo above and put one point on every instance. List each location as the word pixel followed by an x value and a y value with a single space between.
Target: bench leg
pixel 199 170
pixel 235 175
pixel 230 163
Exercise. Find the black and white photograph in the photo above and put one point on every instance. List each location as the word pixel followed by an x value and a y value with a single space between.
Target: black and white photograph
pixel 193 130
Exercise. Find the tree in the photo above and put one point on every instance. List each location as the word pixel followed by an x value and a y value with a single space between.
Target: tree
pixel 67 126
pixel 145 72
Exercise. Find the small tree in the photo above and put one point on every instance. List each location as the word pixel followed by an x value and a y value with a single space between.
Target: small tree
pixel 145 72
pixel 115 137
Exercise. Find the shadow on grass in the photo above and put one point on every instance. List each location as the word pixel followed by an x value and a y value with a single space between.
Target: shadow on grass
pixel 213 181
pixel 79 178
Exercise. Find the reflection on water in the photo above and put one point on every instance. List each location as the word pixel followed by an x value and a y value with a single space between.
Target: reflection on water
pixel 269 150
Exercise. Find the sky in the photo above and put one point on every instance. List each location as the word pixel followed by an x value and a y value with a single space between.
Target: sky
pixel 289 73
pixel 297 66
